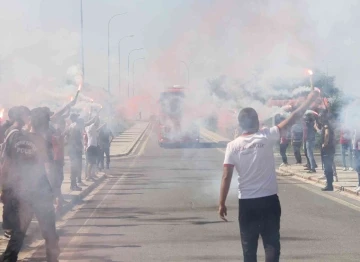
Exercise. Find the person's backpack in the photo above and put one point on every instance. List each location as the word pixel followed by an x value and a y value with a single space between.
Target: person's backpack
pixel 3 127
pixel 3 148
pixel 3 145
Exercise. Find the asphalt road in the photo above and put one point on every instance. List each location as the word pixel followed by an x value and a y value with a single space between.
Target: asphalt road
pixel 161 205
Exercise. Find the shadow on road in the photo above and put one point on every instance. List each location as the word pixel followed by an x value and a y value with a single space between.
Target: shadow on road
pixel 194 146
pixel 206 222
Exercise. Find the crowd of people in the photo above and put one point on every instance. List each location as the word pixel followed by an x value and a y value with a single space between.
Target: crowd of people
pixel 33 144
pixel 304 134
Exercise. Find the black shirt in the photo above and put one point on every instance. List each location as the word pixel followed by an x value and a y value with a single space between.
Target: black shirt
pixel 330 147
pixel 104 137
pixel 74 139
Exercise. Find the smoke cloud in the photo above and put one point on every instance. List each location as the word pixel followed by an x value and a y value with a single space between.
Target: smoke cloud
pixel 237 53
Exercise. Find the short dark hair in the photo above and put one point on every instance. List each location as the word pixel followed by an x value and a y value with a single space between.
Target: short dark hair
pixel 11 113
pixel 47 110
pixel 40 119
pixel 74 117
pixel 18 112
pixel 248 119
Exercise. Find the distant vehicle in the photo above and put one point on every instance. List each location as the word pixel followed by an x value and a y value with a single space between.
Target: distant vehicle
pixel 175 125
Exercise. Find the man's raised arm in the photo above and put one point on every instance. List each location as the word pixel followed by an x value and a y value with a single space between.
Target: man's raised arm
pixel 99 128
pixel 299 111
pixel 91 121
pixel 63 110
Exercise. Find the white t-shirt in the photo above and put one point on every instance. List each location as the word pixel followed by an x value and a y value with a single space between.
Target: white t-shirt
pixel 253 158
pixel 92 135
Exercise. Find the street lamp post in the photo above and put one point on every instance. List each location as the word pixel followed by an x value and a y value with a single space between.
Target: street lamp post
pixel 327 74
pixel 137 49
pixel 119 58
pixel 188 72
pixel 109 48
pixel 142 58
pixel 82 41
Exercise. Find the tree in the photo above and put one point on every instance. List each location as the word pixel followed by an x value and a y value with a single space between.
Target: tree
pixel 329 91
pixel 217 87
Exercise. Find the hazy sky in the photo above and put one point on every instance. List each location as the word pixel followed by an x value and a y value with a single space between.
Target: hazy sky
pixel 41 40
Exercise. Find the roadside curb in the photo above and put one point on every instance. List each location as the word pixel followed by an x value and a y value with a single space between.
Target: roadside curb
pixel 76 198
pixel 133 144
pixel 316 180
pixel 34 233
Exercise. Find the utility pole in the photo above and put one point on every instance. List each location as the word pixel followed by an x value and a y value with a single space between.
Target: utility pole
pixel 119 60
pixel 188 72
pixel 128 79
pixel 109 47
pixel 82 43
pixel 142 58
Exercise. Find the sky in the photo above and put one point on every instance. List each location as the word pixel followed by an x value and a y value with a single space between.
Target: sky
pixel 41 42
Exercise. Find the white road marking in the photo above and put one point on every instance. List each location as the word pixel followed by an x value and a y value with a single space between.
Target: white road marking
pixel 76 240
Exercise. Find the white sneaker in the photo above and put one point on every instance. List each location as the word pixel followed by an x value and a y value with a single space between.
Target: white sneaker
pixel 283 164
pixel 323 177
pixel 344 169
pixel 357 189
pixel 351 169
pixel 336 179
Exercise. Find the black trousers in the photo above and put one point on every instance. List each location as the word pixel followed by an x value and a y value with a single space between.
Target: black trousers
pixel 328 160
pixel 59 177
pixel 9 202
pixel 297 154
pixel 42 206
pixel 356 156
pixel 104 151
pixel 260 216
pixel 75 167
pixel 283 148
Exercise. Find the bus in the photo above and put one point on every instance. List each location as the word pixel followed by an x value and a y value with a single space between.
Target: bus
pixel 175 125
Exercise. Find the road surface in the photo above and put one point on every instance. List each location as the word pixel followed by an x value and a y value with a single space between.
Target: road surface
pixel 161 205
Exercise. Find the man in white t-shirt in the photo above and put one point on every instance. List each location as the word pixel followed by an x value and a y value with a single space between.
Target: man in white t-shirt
pixel 92 132
pixel 251 154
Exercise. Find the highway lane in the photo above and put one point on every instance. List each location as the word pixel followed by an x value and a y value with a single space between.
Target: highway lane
pixel 161 205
